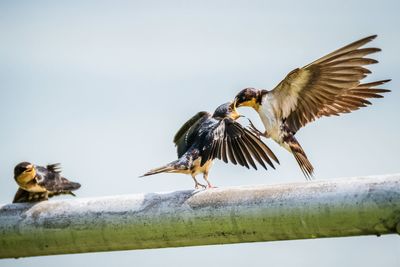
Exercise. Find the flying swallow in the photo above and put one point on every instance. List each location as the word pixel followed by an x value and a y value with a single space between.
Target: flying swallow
pixel 328 86
pixel 37 183
pixel 206 137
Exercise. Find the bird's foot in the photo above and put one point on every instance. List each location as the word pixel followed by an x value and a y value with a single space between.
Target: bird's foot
pixel 210 186
pixel 255 131
pixel 199 186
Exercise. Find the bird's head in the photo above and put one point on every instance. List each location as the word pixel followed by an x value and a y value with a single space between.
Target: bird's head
pixel 227 110
pixel 248 97
pixel 24 172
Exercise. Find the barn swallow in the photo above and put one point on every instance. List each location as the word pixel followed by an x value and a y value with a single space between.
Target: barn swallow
pixel 328 86
pixel 206 137
pixel 37 183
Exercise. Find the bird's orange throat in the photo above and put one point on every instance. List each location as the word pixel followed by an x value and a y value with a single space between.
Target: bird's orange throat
pixel 251 103
pixel 27 181
pixel 26 177
pixel 234 115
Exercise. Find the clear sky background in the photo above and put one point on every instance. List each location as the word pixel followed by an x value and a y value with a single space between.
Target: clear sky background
pixel 102 87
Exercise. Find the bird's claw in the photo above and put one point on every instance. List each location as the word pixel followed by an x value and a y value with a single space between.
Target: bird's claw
pixel 199 185
pixel 255 131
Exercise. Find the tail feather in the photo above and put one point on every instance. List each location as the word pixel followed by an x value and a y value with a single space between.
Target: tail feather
pixel 170 167
pixel 301 158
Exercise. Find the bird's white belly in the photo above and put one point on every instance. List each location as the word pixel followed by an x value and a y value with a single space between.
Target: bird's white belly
pixel 271 124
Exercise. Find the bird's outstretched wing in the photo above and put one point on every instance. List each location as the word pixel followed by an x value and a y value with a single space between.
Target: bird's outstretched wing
pixel 184 137
pixel 230 141
pixel 327 86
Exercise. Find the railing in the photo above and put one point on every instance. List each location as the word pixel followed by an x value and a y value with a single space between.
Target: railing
pixel 324 208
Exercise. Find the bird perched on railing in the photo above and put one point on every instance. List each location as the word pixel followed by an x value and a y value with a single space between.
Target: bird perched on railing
pixel 206 137
pixel 328 86
pixel 37 183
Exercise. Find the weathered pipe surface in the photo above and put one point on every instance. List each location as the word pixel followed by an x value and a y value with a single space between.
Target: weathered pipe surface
pixel 328 208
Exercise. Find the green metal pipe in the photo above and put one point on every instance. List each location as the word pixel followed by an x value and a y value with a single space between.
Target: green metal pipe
pixel 324 208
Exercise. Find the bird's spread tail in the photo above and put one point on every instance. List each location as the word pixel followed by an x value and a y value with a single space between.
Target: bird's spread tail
pixel 170 167
pixel 301 158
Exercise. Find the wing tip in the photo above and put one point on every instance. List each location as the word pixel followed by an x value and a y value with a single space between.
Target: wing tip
pixel 77 185
pixel 385 81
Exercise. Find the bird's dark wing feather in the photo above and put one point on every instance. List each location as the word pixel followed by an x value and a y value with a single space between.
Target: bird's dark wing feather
pixel 56 167
pixel 52 181
pixel 184 137
pixel 230 141
pixel 21 196
pixel 59 184
pixel 327 86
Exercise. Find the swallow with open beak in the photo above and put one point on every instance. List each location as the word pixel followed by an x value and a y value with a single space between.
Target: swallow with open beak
pixel 37 183
pixel 206 137
pixel 328 86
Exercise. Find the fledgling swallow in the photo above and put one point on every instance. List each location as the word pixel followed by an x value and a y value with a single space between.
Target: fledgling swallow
pixel 37 183
pixel 328 86
pixel 206 137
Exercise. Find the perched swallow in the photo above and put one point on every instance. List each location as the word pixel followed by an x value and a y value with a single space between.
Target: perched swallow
pixel 328 86
pixel 206 137
pixel 37 183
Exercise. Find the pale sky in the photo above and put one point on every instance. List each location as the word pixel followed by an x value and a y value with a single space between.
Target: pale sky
pixel 102 87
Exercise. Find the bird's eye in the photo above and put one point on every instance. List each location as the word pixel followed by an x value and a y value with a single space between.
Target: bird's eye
pixel 29 170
